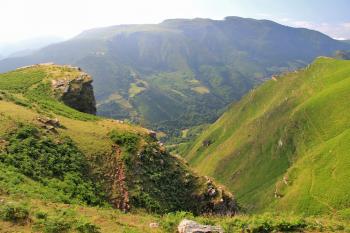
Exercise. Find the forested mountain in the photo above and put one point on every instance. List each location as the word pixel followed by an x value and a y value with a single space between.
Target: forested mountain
pixel 182 72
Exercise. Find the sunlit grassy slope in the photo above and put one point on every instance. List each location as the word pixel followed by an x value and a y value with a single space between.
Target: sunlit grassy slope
pixel 62 170
pixel 24 96
pixel 285 146
pixel 41 202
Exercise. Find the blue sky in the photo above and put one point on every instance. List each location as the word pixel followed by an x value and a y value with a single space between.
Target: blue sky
pixel 329 16
pixel 24 19
pixel 316 11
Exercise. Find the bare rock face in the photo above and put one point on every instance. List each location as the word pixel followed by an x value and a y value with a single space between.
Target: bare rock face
pixel 218 200
pixel 188 226
pixel 77 93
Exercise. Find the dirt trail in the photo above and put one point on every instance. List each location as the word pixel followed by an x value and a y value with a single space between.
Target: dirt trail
pixel 119 190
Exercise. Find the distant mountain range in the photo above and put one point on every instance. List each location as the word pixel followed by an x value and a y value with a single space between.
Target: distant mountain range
pixel 284 146
pixel 26 47
pixel 182 72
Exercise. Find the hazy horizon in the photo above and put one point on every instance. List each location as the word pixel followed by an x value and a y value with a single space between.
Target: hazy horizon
pixel 22 20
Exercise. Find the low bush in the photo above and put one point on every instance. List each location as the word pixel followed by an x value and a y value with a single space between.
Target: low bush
pixel 41 215
pixel 61 222
pixel 57 225
pixel 15 213
pixel 87 227
pixel 56 163
pixel 264 223
pixel 129 141
pixel 160 183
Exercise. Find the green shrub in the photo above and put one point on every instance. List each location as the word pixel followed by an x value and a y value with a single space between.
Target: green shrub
pixel 143 200
pixel 160 183
pixel 261 223
pixel 40 157
pixel 60 164
pixel 41 215
pixel 61 222
pixel 14 213
pixel 129 141
pixel 87 227
pixel 57 225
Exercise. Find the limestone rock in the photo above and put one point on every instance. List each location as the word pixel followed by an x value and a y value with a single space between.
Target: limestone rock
pixel 153 225
pixel 48 121
pixel 152 134
pixel 76 92
pixel 219 200
pixel 189 226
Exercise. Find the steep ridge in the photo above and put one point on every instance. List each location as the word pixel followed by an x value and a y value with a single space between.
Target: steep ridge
pixel 182 72
pixel 284 146
pixel 73 157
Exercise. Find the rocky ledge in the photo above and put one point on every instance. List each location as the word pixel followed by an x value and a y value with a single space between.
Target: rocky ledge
pixel 76 92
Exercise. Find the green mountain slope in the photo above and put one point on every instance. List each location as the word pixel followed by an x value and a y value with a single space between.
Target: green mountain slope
pixel 51 153
pixel 62 170
pixel 181 73
pixel 284 146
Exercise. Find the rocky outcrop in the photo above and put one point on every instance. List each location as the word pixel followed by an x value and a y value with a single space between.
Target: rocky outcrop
pixel 76 92
pixel 189 226
pixel 218 200
pixel 48 123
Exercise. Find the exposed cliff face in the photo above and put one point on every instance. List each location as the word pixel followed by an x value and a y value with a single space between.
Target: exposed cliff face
pixel 77 92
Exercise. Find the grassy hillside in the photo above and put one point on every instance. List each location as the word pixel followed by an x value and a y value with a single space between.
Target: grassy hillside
pixel 66 171
pixel 63 168
pixel 182 73
pixel 284 146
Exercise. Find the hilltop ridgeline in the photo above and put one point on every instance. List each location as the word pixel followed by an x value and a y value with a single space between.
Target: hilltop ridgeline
pixel 75 91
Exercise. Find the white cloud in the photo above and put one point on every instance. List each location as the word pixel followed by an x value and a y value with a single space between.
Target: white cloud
pixel 336 30
pixel 304 24
pixel 264 15
pixel 285 19
pixel 346 25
